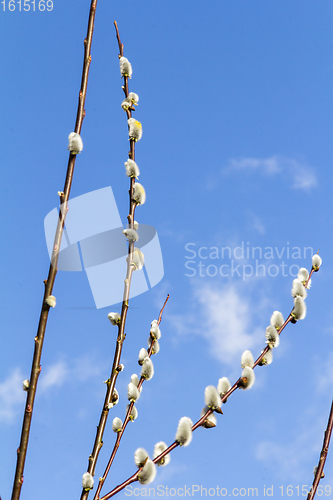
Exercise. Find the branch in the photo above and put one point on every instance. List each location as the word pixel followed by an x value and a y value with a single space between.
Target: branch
pixel 201 421
pixel 98 443
pixel 49 283
pixel 127 418
pixel 323 455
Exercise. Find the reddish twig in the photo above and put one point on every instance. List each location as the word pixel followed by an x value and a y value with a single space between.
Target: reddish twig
pixel 98 443
pixel 127 418
pixel 49 283
pixel 323 455
pixel 200 422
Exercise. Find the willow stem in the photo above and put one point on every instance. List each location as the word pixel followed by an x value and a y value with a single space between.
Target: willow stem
pixel 127 418
pixel 98 443
pixel 323 455
pixel 49 283
pixel 201 421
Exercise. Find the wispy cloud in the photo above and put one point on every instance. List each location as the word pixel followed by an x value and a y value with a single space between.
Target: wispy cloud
pixel 80 369
pixel 268 166
pixel 55 375
pixel 294 455
pixel 304 176
pixel 324 369
pixel 256 223
pixel 226 321
pixel 11 395
pixel 300 175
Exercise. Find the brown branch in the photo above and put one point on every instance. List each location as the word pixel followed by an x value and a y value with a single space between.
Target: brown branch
pixel 323 455
pixel 98 443
pixel 127 418
pixel 123 485
pixel 201 421
pixel 49 283
pixel 161 311
pixel 121 46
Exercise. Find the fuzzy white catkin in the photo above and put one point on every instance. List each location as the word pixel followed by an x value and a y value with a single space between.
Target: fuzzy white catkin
pixel 131 234
pixel 212 397
pixel 139 194
pixel 140 456
pixel 135 379
pixel 135 225
pixel 299 311
pixel 132 392
pixel 316 262
pixel 247 359
pixel 143 354
pixel 211 417
pixel 267 359
pixel 133 414
pixel 148 473
pixel 132 169
pixel 51 301
pixel 126 103
pixel 134 98
pixel 158 449
pixel 303 275
pixel 75 144
pixel 298 289
pixel 277 320
pixel 272 337
pixel 114 318
pixel 184 431
pixel 223 386
pixel 135 129
pixel 137 259
pixel 116 424
pixel 26 384
pixel 156 346
pixel 147 370
pixel 125 67
pixel 87 481
pixel 155 331
pixel 115 397
pixel 247 377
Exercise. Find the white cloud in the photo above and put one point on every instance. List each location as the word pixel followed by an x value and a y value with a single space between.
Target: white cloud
pixel 300 176
pixel 80 369
pixel 293 456
pixel 324 371
pixel 55 375
pixel 267 165
pixel 11 395
pixel 256 223
pixel 303 176
pixel 226 320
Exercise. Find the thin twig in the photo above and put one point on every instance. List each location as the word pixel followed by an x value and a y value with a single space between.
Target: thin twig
pixel 161 311
pixel 127 418
pixel 98 443
pixel 200 422
pixel 323 455
pixel 49 283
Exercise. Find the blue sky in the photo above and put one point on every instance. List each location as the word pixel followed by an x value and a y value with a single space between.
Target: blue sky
pixel 236 108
